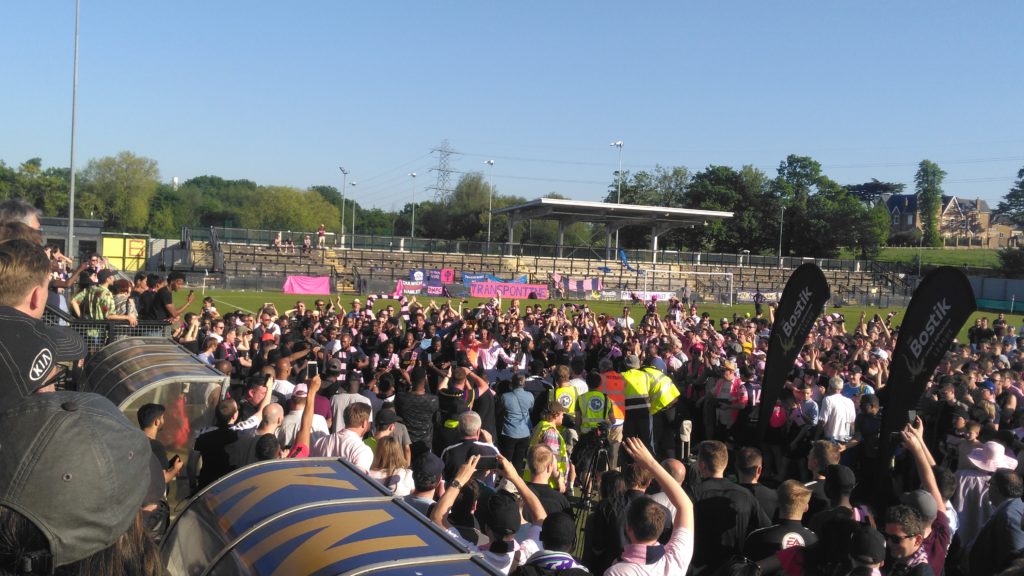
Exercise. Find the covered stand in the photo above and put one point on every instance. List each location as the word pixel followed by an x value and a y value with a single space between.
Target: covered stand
pixel 316 516
pixel 137 371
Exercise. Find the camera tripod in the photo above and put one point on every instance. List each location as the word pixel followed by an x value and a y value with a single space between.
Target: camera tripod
pixel 593 459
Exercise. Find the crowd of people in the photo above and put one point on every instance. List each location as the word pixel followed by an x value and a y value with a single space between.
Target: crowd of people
pixel 500 419
pixel 551 439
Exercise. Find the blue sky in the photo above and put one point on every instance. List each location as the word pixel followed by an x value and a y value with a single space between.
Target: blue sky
pixel 285 92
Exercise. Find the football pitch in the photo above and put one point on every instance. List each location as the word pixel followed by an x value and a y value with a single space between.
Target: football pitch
pixel 231 300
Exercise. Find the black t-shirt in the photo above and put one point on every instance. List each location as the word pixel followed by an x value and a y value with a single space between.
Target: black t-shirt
pixel 819 501
pixel 726 513
pixel 419 412
pixel 160 452
pixel 484 406
pixel 145 305
pixel 552 500
pixel 158 307
pixel 766 497
pixel 765 542
pixel 222 452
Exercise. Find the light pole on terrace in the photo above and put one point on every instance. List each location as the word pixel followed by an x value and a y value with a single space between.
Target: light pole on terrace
pixel 490 199
pixel 782 219
pixel 412 229
pixel 344 176
pixel 618 194
pixel 353 184
pixel 70 249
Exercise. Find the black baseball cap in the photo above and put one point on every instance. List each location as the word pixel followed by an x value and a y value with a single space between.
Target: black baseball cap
pixel 74 466
pixel 29 350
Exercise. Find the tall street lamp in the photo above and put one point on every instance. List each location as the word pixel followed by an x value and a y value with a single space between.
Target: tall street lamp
pixel 70 249
pixel 782 218
pixel 344 176
pixel 490 199
pixel 618 195
pixel 412 230
pixel 353 184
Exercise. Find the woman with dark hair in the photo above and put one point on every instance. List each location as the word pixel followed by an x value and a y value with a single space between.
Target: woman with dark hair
pixel 604 542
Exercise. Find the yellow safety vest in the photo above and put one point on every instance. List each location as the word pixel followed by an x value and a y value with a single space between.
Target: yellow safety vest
pixel 663 391
pixel 637 390
pixel 566 396
pixel 595 407
pixel 561 456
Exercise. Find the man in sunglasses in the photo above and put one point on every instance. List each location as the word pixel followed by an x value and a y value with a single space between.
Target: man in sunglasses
pixel 904 536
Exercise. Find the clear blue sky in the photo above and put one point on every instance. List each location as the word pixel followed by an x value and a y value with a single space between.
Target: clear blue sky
pixel 285 92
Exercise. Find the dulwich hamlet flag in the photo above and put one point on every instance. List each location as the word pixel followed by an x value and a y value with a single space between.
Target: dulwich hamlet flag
pixel 941 304
pixel 802 300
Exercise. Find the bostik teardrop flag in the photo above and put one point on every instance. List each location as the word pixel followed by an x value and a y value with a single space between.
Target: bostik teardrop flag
pixel 941 304
pixel 802 300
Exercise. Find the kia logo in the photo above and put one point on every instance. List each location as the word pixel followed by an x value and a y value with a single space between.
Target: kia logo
pixel 41 365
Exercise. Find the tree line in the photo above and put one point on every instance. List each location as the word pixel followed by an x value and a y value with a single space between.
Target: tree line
pixel 818 216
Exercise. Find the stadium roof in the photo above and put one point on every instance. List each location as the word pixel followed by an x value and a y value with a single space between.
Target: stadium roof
pixel 660 219
pixel 617 215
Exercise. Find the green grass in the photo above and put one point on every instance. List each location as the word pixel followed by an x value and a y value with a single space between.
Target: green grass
pixel 975 257
pixel 228 301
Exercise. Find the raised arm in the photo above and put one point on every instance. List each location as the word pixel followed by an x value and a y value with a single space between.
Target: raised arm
pixel 533 505
pixel 642 456
pixel 306 426
pixel 439 513
pixel 913 439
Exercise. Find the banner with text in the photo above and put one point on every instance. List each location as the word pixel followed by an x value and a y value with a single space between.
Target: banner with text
pixel 802 300
pixel 747 296
pixel 508 290
pixel 941 304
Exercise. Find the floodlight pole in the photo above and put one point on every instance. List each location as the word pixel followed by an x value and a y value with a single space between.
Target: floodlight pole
pixel 353 184
pixel 618 195
pixel 344 176
pixel 782 219
pixel 490 200
pixel 70 249
pixel 412 230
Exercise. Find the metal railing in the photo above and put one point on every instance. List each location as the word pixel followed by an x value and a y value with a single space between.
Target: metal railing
pixel 99 333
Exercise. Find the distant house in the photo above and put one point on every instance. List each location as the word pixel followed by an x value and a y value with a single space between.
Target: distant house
pixel 959 218
pixel 1003 232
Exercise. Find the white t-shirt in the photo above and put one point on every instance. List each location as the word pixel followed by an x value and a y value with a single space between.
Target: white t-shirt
pixel 284 388
pixel 289 428
pixel 837 416
pixel 341 401
pixel 400 483
pixel 346 445
pixel 678 553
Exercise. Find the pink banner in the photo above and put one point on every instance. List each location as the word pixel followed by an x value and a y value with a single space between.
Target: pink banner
pixel 307 285
pixel 447 276
pixel 508 290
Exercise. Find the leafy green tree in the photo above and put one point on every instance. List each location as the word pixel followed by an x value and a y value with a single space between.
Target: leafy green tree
pixel 796 180
pixel 662 187
pixel 1013 203
pixel 928 183
pixel 1011 262
pixel 870 192
pixel 120 189
pixel 874 232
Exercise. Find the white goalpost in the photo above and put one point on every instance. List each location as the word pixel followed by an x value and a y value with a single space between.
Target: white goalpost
pixel 673 281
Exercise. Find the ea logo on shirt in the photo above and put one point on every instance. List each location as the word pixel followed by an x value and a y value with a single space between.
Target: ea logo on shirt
pixel 41 365
pixel 596 403
pixel 791 539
